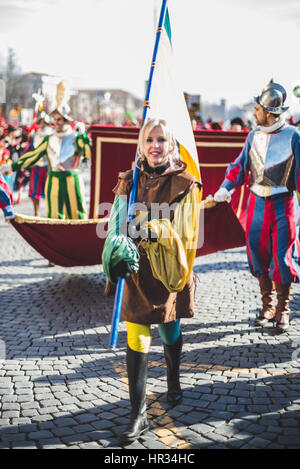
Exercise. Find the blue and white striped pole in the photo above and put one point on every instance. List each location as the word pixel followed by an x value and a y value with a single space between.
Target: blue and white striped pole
pixel 132 198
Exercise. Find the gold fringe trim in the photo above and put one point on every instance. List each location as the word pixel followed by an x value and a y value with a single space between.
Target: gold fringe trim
pixel 220 145
pixel 54 221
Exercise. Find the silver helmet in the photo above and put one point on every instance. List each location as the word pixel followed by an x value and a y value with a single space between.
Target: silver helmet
pixel 272 98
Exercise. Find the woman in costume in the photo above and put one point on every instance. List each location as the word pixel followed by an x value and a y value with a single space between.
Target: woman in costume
pixel 63 150
pixel 156 258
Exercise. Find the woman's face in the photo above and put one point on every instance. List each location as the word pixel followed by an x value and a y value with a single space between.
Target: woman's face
pixel 156 148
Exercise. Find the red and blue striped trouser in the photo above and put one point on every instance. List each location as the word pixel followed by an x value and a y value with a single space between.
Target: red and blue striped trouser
pixel 273 246
pixel 37 182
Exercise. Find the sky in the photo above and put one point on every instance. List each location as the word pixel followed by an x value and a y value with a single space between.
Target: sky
pixel 224 48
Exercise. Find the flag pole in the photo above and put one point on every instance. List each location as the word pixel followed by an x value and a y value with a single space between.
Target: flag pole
pixel 132 198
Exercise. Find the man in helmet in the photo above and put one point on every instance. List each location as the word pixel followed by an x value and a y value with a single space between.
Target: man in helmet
pixel 272 156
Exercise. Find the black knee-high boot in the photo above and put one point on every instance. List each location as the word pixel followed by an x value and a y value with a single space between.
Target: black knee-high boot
pixel 172 355
pixel 137 367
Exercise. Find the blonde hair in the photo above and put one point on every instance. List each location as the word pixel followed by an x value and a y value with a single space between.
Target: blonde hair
pixel 173 154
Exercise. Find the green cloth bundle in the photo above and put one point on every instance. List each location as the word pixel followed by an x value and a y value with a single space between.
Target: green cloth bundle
pixel 118 247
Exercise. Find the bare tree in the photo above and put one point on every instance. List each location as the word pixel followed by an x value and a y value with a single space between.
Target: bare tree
pixel 10 75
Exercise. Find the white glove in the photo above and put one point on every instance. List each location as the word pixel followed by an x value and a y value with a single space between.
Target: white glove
pixel 80 127
pixel 4 168
pixel 222 195
pixel 298 217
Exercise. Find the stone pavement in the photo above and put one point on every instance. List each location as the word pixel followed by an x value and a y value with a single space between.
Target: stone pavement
pixel 61 387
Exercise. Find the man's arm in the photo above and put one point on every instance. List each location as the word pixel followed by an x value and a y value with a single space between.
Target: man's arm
pixel 32 157
pixel 235 173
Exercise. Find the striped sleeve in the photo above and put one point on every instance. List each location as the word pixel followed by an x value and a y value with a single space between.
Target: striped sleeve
pixel 32 157
pixel 84 145
pixel 237 170
pixel 6 199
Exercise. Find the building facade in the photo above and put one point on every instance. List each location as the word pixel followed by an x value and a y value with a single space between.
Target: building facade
pixel 106 106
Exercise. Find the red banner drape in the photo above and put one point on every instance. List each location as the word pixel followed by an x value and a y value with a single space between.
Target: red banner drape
pixel 62 244
pixel 114 150
pixel 76 243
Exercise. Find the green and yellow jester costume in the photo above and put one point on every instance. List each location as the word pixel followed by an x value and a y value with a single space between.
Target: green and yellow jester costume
pixel 64 188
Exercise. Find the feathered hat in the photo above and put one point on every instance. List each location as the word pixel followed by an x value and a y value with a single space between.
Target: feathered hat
pixel 62 106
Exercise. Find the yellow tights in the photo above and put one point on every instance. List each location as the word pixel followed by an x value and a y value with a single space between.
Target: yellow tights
pixel 139 336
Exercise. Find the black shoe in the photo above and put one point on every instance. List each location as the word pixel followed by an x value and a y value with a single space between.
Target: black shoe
pixel 172 355
pixel 137 367
pixel 174 397
pixel 137 426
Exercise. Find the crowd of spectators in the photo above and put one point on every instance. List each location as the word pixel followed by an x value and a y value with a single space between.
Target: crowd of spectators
pixel 237 124
pixel 14 139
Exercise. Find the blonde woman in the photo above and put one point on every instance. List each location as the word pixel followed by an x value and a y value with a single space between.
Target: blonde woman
pixel 155 254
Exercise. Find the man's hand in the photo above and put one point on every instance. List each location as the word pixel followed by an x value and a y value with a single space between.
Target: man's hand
pixel 80 127
pixel 222 195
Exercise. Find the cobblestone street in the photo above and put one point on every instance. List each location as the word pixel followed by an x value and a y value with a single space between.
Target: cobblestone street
pixel 61 387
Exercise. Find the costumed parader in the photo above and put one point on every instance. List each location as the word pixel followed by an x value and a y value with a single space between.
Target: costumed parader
pixel 64 150
pixel 155 253
pixel 272 156
pixel 5 159
pixel 6 199
pixel 38 175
